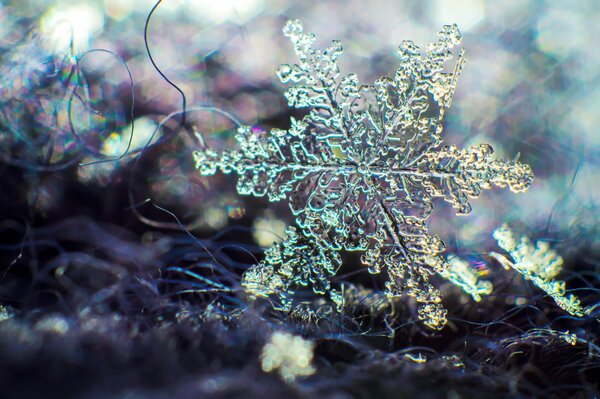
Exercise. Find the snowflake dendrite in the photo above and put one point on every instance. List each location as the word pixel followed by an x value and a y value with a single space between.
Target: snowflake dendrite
pixel 461 274
pixel 539 264
pixel 360 170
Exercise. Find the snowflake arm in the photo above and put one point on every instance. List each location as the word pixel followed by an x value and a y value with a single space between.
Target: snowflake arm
pixel 465 277
pixel 406 116
pixel 270 163
pixel 458 175
pixel 290 264
pixel 316 84
pixel 538 264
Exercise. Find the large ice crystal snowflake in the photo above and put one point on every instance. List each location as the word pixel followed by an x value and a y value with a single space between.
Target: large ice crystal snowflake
pixel 360 171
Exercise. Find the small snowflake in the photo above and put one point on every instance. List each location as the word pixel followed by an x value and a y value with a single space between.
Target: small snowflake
pixel 289 355
pixel 360 170
pixel 538 264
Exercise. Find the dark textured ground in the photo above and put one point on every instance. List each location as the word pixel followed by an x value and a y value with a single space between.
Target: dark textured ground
pixel 97 317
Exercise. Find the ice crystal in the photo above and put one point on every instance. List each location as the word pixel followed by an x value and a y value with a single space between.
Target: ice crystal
pixel 538 264
pixel 462 275
pixel 294 262
pixel 569 337
pixel 360 170
pixel 289 355
pixel 418 358
pixel 7 312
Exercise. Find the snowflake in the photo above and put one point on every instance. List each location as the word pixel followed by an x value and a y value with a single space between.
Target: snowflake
pixel 289 355
pixel 360 170
pixel 538 264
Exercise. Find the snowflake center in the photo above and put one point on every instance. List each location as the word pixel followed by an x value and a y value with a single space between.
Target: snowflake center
pixel 363 170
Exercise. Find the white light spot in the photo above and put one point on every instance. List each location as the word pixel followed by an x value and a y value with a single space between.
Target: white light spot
pixel 465 13
pixel 76 24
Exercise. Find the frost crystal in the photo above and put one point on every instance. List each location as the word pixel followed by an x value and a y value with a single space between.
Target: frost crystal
pixel 538 264
pixel 360 170
pixel 459 273
pixel 289 355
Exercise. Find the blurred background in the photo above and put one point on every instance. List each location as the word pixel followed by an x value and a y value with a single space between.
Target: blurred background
pixel 530 87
